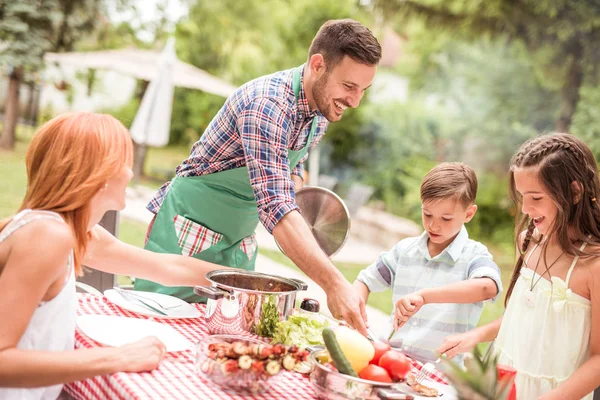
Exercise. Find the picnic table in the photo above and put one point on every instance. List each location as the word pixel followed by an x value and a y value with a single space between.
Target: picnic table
pixel 176 377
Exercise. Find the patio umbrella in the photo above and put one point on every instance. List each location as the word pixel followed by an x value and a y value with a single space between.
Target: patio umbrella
pixel 152 121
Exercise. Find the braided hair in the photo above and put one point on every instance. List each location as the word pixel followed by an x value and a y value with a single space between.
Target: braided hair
pixel 560 159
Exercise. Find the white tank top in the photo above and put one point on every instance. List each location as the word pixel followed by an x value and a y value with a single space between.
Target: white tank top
pixel 545 333
pixel 52 326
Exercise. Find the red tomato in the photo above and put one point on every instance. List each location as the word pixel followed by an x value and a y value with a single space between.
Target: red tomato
pixel 374 373
pixel 395 363
pixel 380 349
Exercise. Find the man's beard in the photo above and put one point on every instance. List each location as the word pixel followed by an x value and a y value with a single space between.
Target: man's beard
pixel 318 93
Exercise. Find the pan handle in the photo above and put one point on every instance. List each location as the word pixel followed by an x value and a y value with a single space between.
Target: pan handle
pixel 302 284
pixel 210 292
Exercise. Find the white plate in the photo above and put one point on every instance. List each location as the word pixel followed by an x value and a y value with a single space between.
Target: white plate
pixel 116 331
pixel 445 392
pixel 184 310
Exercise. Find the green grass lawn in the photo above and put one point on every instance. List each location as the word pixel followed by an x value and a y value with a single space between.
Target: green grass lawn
pixel 12 171
pixel 382 301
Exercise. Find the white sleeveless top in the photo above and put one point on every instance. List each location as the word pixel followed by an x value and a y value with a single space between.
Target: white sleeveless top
pixel 52 326
pixel 545 334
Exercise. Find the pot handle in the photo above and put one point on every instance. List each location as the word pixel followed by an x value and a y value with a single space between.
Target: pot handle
pixel 302 284
pixel 210 292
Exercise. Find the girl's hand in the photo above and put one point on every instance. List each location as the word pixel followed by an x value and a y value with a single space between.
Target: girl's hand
pixel 458 344
pixel 143 355
pixel 406 307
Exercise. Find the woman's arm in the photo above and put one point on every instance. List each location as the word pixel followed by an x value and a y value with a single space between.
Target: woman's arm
pixel 30 368
pixel 28 277
pixel 586 378
pixel 107 253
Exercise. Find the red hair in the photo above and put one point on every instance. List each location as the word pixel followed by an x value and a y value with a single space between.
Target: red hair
pixel 68 161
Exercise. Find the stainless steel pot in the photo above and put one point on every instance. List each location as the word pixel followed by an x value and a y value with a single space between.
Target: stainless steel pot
pixel 244 302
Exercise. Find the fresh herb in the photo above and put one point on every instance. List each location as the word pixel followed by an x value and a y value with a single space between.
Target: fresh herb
pixel 269 318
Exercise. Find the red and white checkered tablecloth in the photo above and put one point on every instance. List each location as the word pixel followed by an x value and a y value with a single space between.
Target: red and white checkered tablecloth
pixel 176 376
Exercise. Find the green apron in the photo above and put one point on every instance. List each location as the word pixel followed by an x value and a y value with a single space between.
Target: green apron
pixel 211 217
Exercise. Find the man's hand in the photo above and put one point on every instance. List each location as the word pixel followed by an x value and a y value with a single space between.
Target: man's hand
pixel 298 243
pixel 344 303
pixel 406 307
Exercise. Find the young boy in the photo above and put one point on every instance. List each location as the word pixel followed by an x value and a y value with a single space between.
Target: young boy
pixel 441 278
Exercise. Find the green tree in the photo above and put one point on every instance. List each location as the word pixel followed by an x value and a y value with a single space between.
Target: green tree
pixel 25 33
pixel 562 36
pixel 29 28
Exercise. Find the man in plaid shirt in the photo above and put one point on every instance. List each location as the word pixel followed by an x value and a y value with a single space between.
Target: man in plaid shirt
pixel 246 167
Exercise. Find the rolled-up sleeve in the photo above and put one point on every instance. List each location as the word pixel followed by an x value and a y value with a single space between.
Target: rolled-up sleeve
pixel 379 276
pixel 299 169
pixel 483 266
pixel 264 129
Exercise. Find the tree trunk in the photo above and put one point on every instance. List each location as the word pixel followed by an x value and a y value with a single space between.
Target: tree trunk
pixel 61 38
pixel 139 150
pixel 139 159
pixel 11 112
pixel 30 103
pixel 570 91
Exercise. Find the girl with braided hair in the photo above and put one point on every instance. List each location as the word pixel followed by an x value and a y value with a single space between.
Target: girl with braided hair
pixel 550 331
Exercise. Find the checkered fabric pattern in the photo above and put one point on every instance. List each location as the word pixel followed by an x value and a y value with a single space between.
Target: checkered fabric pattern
pixel 249 246
pixel 193 237
pixel 176 377
pixel 256 127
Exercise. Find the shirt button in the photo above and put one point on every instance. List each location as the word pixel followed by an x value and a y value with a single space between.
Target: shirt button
pixel 405 348
pixel 414 323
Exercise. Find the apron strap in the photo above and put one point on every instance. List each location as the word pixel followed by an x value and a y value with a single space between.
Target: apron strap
pixel 296 83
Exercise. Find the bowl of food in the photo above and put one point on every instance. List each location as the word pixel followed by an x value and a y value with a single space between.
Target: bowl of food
pixel 329 383
pixel 351 367
pixel 242 364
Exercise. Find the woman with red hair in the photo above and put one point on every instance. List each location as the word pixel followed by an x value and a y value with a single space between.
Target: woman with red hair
pixel 78 166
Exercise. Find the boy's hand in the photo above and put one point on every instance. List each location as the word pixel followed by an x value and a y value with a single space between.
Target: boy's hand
pixel 406 307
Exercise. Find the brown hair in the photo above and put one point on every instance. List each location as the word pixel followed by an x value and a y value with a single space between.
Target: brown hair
pixel 560 159
pixel 450 180
pixel 345 37
pixel 68 161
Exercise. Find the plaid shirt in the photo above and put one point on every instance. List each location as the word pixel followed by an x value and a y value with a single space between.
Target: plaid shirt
pixel 256 127
pixel 407 268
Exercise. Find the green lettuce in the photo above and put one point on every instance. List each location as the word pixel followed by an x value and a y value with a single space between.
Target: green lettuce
pixel 301 330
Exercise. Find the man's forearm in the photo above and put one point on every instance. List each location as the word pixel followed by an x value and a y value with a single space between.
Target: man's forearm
pixel 469 291
pixel 299 182
pixel 295 238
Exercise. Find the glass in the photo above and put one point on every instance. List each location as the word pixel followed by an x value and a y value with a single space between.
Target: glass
pixel 238 381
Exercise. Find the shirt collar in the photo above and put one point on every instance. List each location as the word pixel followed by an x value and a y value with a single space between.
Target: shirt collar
pixel 453 250
pixel 303 107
